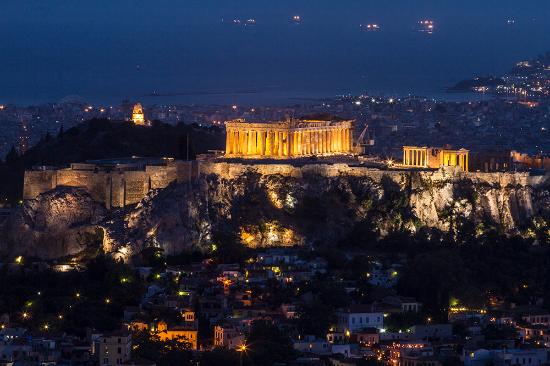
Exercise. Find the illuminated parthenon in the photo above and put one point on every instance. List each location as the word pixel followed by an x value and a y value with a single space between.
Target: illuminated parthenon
pixel 287 139
pixel 433 157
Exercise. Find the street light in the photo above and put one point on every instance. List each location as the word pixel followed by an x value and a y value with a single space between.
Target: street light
pixel 242 349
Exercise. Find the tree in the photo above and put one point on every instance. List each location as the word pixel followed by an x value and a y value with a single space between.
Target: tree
pixel 61 132
pixel 268 345
pixel 13 158
pixel 173 352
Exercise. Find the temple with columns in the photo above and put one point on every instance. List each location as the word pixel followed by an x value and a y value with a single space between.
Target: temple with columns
pixel 434 157
pixel 288 139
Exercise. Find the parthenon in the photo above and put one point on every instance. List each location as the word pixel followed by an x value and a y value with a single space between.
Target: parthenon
pixel 288 139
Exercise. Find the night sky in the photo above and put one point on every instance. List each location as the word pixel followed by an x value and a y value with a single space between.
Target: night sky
pixel 108 50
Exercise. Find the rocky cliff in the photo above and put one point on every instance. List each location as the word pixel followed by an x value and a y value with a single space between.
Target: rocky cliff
pixel 282 207
pixel 59 223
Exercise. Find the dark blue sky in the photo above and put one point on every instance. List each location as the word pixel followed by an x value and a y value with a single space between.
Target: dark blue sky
pixel 108 50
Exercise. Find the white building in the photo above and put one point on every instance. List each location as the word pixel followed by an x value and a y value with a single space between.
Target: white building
pixel 356 318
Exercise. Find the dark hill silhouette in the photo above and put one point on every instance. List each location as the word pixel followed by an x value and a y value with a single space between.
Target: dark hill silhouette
pixel 101 139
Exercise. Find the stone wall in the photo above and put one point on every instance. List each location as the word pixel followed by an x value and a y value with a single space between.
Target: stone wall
pixel 119 188
pixel 116 188
pixel 234 170
pixel 37 182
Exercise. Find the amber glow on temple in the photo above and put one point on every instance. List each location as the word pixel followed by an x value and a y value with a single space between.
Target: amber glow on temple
pixel 432 157
pixel 287 139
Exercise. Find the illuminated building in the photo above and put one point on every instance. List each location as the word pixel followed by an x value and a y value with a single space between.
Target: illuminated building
pixel 357 318
pixel 185 333
pixel 228 336
pixel 138 117
pixel 288 139
pixel 434 157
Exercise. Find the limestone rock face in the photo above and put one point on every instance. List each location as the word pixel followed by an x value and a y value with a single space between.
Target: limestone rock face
pixel 278 210
pixel 56 224
pixel 282 209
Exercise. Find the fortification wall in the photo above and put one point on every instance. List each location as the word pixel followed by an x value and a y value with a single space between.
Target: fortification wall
pixel 121 188
pixel 232 170
pixel 36 182
pixel 116 188
pixel 186 171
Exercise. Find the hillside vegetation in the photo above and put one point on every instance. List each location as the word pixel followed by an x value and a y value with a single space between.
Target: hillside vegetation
pixel 101 139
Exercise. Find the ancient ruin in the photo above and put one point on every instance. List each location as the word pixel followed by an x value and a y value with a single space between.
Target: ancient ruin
pixel 288 139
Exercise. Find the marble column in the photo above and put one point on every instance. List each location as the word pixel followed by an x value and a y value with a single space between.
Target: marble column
pixel 317 142
pixel 228 142
pixel 261 142
pixel 345 132
pixel 235 141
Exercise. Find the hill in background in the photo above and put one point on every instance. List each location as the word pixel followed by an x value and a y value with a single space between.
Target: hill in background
pixel 101 139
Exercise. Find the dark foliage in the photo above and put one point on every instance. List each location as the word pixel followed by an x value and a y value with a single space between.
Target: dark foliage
pixel 101 139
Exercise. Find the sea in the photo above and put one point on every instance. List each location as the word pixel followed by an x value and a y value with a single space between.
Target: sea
pixel 204 52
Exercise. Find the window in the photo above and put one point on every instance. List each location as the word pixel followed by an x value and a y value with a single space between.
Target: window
pixel 105 361
pixel 119 350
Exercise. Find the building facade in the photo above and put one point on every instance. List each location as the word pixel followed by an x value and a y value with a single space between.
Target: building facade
pixel 184 333
pixel 357 318
pixel 228 336
pixel 434 157
pixel 115 348
pixel 288 139
pixel 114 182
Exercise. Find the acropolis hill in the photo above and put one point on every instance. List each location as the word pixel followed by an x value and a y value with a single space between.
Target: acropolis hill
pixel 280 204
pixel 264 200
